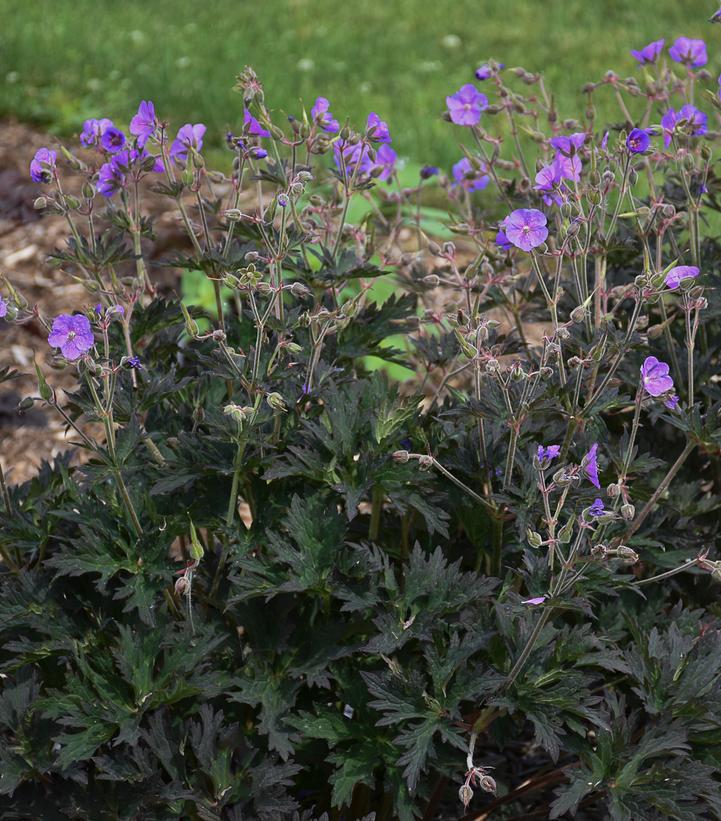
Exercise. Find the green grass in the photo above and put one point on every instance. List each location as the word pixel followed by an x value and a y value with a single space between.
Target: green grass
pixel 66 60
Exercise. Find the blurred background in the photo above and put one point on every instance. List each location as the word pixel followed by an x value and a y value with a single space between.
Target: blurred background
pixel 66 60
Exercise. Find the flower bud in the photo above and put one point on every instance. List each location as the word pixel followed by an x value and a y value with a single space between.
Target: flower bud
pixel 492 366
pixel 425 462
pixel 628 511
pixel 578 314
pixel 465 794
pixel 275 400
pixel 534 538
pixel 487 784
pixel 627 554
pixel 433 280
pixel 401 456
pixel 40 203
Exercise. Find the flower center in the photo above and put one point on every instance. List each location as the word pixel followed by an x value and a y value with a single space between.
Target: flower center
pixel 71 336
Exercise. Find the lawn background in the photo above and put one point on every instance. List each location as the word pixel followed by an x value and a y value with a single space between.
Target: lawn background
pixel 64 61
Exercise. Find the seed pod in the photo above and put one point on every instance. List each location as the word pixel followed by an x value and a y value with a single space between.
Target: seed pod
pixel 487 784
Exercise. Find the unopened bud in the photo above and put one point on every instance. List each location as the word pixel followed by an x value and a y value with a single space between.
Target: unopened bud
pixel 628 511
pixel 534 538
pixel 627 554
pixel 487 784
pixel 465 794
pixel 275 400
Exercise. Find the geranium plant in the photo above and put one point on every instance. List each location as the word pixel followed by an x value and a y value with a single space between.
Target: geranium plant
pixel 330 548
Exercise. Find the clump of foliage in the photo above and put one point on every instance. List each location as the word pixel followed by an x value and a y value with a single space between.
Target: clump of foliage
pixel 287 580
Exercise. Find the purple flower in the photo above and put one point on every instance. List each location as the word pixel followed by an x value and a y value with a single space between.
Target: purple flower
pixel 72 334
pixel 649 53
pixel 93 130
pixel 535 600
pixel 377 129
pixel 483 72
pixel 654 376
pixel 251 126
pixel 111 176
pixel 548 182
pixel 569 145
pixel 3 308
pixel 672 402
pixel 429 171
pixel 568 168
pixel 691 119
pixel 144 123
pixel 189 136
pixel 597 508
pixel 112 140
pixel 502 240
pixel 466 105
pixel 468 176
pixel 321 115
pixel 134 362
pixel 675 275
pixel 690 52
pixel 549 452
pixel 604 141
pixel 590 465
pixel 638 140
pixel 526 228
pixel 42 166
pixel 352 156
pixel 715 17
pixel 385 160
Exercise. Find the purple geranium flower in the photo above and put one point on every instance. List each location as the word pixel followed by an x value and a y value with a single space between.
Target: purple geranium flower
pixel 252 126
pixel 655 377
pixel 597 508
pixel 321 115
pixel 548 182
pixel 568 168
pixel 693 122
pixel 590 465
pixel 42 166
pixel 483 72
pixel 468 176
pixel 112 140
pixel 569 145
pixel 144 123
pixel 690 52
pixel 72 334
pixel 3 308
pixel 429 171
pixel 134 362
pixel 535 600
pixel 548 452
pixel 377 129
pixel 93 130
pixel 352 155
pixel 715 17
pixel 386 160
pixel 189 136
pixel 672 402
pixel 466 105
pixel 111 176
pixel 502 240
pixel 638 140
pixel 649 53
pixel 526 228
pixel 675 275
